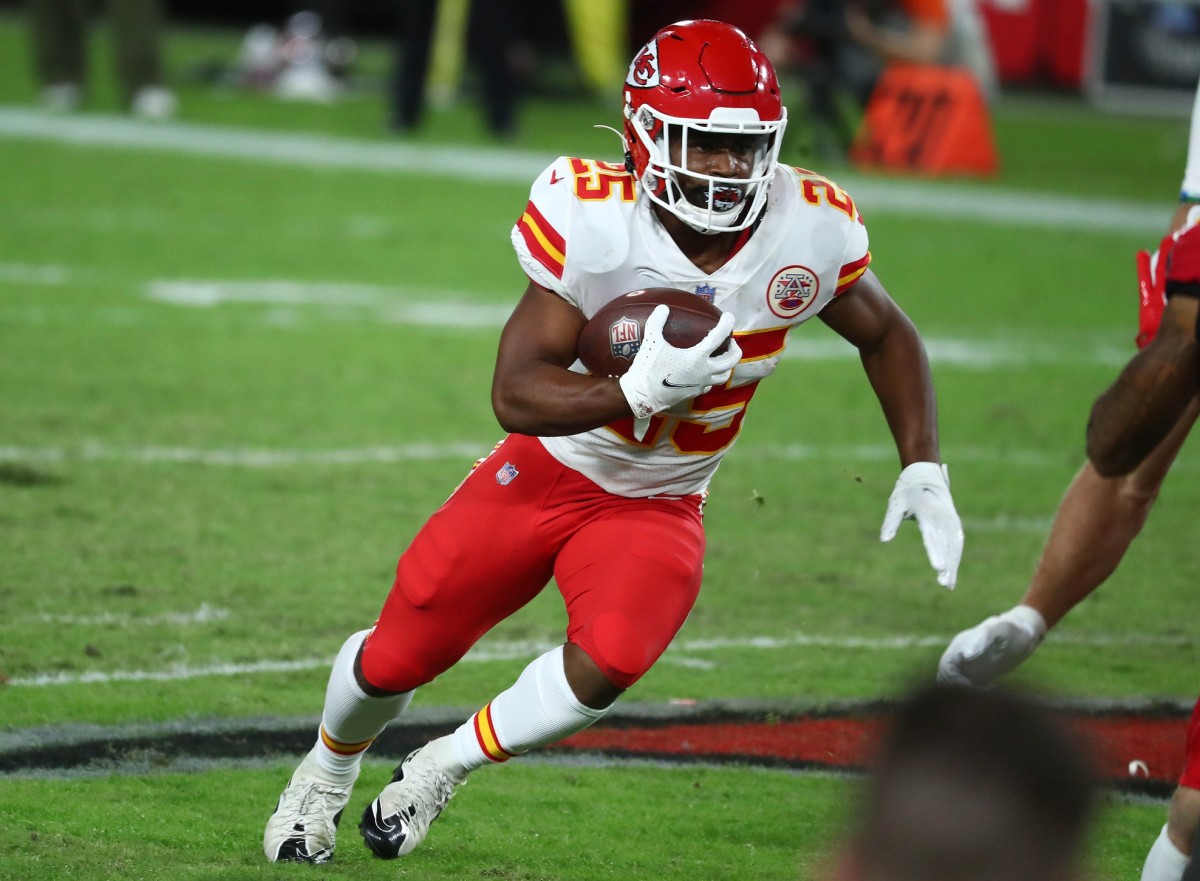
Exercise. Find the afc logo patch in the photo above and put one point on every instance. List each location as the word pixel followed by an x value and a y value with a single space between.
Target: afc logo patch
pixel 624 338
pixel 792 290
pixel 507 474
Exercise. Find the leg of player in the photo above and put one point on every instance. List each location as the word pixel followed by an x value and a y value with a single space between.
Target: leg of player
pixel 623 610
pixel 1097 520
pixel 540 708
pixel 474 562
pixel 1171 851
pixel 304 824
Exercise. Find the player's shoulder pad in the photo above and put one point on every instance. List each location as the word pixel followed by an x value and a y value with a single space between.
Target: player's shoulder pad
pixel 818 191
pixel 539 235
pixel 578 215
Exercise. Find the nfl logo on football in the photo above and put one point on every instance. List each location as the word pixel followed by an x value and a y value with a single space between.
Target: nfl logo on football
pixel 624 336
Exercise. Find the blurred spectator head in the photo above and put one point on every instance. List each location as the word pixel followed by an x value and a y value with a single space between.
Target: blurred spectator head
pixel 972 785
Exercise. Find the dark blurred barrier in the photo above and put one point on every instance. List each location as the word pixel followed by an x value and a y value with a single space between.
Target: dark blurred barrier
pixel 1146 56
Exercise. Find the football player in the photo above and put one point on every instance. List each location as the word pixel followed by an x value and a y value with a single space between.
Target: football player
pixel 1137 428
pixel 601 481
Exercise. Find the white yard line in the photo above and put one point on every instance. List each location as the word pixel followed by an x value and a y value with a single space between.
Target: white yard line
pixel 425 307
pixel 678 654
pixel 275 457
pixel 205 614
pixel 249 457
pixel 944 201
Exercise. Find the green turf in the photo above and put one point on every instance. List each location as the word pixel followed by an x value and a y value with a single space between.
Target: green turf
pixel 108 542
pixel 526 823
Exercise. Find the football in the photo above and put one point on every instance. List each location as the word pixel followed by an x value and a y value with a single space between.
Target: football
pixel 613 336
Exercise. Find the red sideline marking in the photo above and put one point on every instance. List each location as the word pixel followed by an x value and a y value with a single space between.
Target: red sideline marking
pixel 1114 742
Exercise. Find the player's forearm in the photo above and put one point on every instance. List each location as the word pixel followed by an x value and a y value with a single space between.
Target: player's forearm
pixel 548 401
pixel 1134 415
pixel 899 373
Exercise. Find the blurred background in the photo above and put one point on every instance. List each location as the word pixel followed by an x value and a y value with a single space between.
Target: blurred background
pixel 254 259
pixel 1136 56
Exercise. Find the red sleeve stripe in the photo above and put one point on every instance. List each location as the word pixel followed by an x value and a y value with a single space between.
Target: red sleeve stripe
pixel 485 734
pixel 759 344
pixel 851 272
pixel 543 240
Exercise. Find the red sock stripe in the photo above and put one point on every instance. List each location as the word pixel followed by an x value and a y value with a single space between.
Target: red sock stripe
pixel 343 749
pixel 485 734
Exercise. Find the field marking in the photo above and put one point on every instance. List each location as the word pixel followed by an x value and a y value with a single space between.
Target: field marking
pixel 453 308
pixel 249 457
pixel 205 614
pixel 942 201
pixel 47 275
pixel 273 457
pixel 677 654
pixel 428 307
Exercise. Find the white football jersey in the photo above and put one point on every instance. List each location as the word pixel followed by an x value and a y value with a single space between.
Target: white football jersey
pixel 586 236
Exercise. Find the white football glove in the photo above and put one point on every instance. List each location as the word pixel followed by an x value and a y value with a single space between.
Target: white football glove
pixel 663 375
pixel 996 646
pixel 923 493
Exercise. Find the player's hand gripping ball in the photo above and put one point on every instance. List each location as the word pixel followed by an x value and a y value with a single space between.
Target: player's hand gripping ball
pixel 614 334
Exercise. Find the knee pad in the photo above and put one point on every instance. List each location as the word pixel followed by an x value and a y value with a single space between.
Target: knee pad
pixel 620 647
pixel 387 667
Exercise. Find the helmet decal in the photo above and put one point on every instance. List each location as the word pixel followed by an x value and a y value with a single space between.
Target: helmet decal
pixel 643 72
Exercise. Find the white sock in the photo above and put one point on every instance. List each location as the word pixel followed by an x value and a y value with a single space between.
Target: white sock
pixel 352 719
pixel 538 709
pixel 1165 862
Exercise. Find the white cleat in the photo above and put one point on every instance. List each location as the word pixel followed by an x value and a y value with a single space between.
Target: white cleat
pixel 398 820
pixel 304 824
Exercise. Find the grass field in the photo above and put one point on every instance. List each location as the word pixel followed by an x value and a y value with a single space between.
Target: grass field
pixel 242 356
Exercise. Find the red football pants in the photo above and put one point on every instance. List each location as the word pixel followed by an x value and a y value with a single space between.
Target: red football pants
pixel 628 569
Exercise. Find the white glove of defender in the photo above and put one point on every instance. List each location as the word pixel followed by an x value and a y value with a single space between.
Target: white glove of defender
pixel 992 648
pixel 663 375
pixel 923 493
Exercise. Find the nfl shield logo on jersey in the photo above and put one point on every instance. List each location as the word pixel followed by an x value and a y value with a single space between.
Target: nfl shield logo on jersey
pixel 706 292
pixel 625 338
pixel 507 474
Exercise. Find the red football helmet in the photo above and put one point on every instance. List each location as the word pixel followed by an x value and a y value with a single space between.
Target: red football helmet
pixel 702 76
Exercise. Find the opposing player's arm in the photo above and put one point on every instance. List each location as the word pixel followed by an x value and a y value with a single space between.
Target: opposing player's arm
pixel 1130 419
pixel 533 392
pixel 895 363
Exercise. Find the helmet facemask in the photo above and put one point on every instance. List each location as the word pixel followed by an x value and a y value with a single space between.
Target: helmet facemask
pixel 705 202
pixel 700 97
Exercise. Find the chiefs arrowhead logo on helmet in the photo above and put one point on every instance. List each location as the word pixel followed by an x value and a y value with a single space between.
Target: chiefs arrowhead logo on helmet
pixel 643 73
